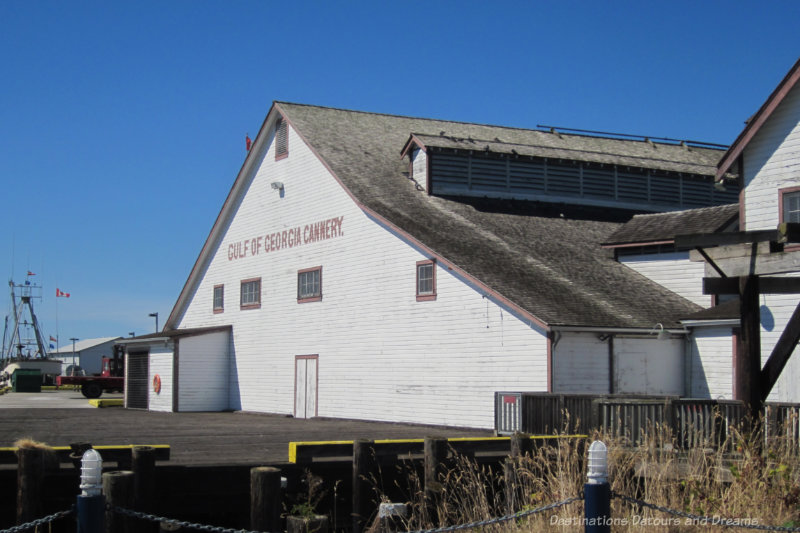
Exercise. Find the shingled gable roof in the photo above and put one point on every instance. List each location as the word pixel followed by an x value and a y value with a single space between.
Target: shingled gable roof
pixel 549 268
pixel 662 228
pixel 756 121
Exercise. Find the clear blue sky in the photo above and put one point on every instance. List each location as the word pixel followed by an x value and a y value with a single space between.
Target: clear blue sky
pixel 122 124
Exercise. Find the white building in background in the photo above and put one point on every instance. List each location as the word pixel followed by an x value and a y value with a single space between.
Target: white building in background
pixel 381 267
pixel 88 354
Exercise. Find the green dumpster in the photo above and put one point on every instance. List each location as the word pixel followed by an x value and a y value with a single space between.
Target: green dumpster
pixel 26 380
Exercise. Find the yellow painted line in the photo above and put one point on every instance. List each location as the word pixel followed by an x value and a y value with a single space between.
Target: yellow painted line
pixel 294 445
pixel 108 402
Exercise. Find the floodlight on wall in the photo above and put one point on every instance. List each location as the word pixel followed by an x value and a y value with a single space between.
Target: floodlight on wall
pixel 720 186
pixel 277 185
pixel 662 333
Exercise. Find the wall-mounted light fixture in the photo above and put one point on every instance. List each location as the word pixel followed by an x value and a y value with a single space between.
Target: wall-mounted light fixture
pixel 662 333
pixel 277 185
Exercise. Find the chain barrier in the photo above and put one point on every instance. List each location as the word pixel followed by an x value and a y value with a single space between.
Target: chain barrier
pixel 499 520
pixel 701 520
pixel 39 522
pixel 174 522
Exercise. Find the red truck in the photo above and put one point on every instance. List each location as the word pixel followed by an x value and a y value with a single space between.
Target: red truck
pixel 111 378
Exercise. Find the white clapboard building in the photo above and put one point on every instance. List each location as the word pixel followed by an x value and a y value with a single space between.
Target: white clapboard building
pixel 382 267
pixel 764 163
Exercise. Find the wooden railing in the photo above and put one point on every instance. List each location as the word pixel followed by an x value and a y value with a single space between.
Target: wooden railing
pixel 693 422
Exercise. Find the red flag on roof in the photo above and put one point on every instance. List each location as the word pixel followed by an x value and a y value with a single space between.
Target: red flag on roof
pixel 53 339
pixel 61 294
pixel 31 273
pixel 247 142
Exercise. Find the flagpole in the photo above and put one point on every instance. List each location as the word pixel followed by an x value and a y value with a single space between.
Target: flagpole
pixel 58 332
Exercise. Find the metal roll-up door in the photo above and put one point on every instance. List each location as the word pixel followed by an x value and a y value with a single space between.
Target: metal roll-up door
pixel 137 382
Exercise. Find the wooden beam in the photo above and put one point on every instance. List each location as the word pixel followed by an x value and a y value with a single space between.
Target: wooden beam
pixel 747 364
pixel 780 354
pixel 730 251
pixel 705 240
pixel 766 285
pixel 760 265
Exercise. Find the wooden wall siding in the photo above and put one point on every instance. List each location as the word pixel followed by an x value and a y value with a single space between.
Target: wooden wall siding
pixel 419 168
pixel 383 355
pixel 711 363
pixel 540 179
pixel 580 364
pixel 203 369
pixel 673 271
pixel 771 163
pixel 161 364
pixel 648 366
pixel 776 309
pixel 640 366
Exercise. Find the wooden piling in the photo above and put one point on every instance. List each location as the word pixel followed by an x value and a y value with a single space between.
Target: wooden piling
pixel 265 499
pixel 363 470
pixel 118 490
pixel 435 451
pixel 510 479
pixel 30 482
pixel 143 464
pixel 521 444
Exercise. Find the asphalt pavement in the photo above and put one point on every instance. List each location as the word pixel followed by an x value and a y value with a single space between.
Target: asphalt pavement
pixel 49 399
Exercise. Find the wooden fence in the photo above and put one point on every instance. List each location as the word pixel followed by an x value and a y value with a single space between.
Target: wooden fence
pixel 693 422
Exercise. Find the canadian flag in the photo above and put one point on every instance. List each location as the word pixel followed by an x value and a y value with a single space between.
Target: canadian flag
pixel 61 294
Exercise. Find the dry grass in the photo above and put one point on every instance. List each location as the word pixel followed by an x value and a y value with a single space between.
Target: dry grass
pixel 753 484
pixel 30 443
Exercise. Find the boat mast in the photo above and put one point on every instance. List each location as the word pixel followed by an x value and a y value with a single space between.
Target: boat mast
pixel 17 340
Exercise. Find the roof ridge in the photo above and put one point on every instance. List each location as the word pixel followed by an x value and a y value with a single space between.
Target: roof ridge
pixel 499 126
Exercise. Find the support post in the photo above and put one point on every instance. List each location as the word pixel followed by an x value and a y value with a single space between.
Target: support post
pixel 747 371
pixel 118 490
pixel 363 469
pixel 435 451
pixel 265 499
pixel 30 481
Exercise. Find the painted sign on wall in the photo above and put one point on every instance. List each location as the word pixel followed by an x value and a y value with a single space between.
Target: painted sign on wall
pixel 330 228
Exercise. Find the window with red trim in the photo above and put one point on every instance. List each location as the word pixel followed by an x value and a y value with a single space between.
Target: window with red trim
pixel 219 298
pixel 790 209
pixel 426 280
pixel 309 285
pixel 250 294
pixel 281 140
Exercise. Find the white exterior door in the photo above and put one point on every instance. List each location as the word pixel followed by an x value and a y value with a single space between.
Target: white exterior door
pixel 305 386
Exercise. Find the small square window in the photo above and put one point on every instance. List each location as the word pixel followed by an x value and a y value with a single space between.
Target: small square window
pixel 309 285
pixel 250 296
pixel 426 280
pixel 219 298
pixel 281 140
